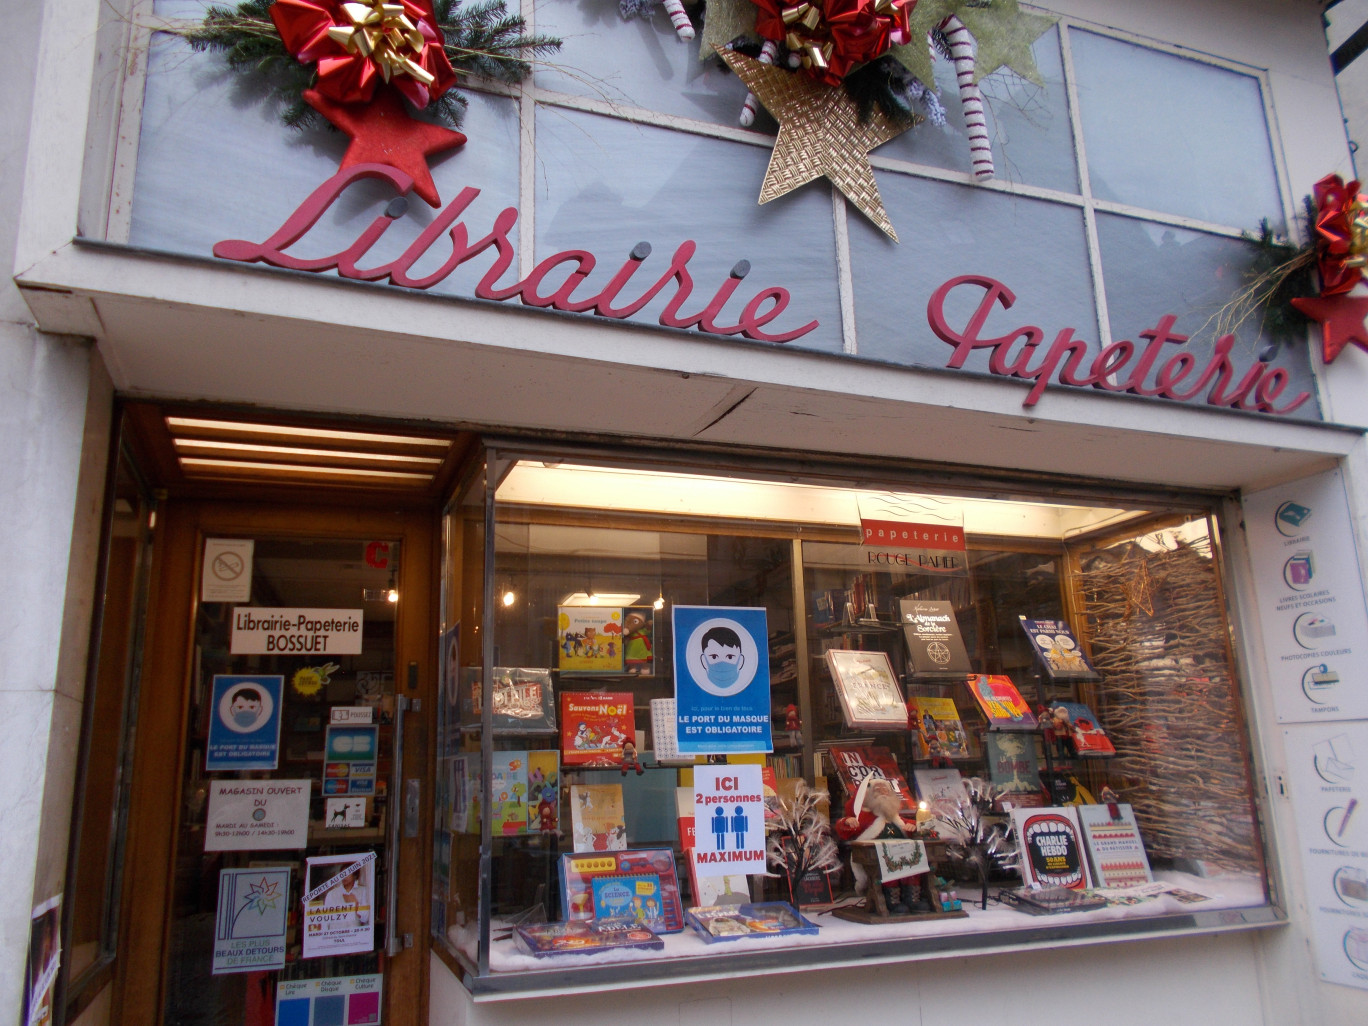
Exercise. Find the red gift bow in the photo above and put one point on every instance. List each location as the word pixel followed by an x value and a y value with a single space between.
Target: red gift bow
pixel 1342 234
pixel 358 44
pixel 836 36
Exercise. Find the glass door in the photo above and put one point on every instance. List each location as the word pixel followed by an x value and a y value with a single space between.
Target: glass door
pixel 294 888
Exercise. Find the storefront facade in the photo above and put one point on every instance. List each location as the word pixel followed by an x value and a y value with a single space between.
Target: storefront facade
pixel 196 283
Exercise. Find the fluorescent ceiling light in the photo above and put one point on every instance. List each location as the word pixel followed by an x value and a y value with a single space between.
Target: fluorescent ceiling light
pixel 248 427
pixel 599 598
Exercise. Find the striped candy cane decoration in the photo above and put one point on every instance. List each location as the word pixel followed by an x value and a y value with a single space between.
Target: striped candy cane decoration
pixel 767 55
pixel 962 53
pixel 683 27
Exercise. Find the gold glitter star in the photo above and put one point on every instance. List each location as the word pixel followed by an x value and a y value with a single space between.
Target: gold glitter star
pixel 819 135
pixel 916 55
pixel 1004 35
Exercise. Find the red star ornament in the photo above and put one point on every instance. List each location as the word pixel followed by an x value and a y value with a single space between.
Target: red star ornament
pixel 383 132
pixel 1341 320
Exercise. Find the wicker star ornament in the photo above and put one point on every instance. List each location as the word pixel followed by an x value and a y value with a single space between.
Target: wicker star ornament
pixel 820 134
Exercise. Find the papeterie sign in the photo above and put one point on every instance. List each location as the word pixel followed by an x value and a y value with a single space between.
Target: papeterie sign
pixel 279 631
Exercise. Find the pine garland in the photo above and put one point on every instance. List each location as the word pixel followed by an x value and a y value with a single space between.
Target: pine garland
pixel 481 39
pixel 1278 273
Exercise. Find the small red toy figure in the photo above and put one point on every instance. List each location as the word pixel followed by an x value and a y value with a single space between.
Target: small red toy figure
pixel 630 760
pixel 792 723
pixel 546 816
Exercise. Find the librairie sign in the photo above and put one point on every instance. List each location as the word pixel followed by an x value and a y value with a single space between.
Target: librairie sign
pixel 280 631
pixel 556 283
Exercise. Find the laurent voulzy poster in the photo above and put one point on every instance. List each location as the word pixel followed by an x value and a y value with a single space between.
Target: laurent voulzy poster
pixel 339 905
pixel 722 679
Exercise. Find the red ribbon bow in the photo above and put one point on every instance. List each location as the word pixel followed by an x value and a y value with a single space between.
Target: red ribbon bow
pixel 1338 206
pixel 833 37
pixel 358 44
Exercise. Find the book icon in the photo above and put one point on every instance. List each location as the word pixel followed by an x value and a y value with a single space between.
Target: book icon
pixel 1298 570
pixel 1291 514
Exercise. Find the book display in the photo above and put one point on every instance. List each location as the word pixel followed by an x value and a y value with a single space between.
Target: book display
pixel 939 718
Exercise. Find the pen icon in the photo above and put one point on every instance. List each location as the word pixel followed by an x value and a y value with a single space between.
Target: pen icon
pixel 1344 820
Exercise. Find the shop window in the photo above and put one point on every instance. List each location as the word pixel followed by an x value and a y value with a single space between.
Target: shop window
pixel 1173 134
pixel 1049 669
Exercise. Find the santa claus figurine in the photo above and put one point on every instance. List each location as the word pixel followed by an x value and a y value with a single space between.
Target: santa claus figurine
pixel 874 814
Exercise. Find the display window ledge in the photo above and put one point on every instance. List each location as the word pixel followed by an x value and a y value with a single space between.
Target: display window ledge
pixel 1237 902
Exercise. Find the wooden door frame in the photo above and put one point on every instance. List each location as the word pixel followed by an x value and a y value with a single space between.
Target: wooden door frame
pixel 159 745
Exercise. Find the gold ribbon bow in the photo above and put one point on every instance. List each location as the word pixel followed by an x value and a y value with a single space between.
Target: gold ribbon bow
pixel 383 32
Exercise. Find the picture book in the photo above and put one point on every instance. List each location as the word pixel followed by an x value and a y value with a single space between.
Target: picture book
pixel 633 898
pixel 1058 650
pixel 543 792
pixel 727 889
pixel 855 762
pixel 1114 847
pixel 684 816
pixel 1052 850
pixel 578 873
pixel 1014 767
pixel 597 819
pixel 763 919
pixel 870 696
pixel 940 734
pixel 508 794
pixel 1001 702
pixel 933 639
pixel 1080 729
pixel 523 699
pixel 939 785
pixel 594 726
pixel 589 639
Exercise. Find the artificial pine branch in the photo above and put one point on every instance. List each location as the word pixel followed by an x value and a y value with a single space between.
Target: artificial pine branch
pixel 481 39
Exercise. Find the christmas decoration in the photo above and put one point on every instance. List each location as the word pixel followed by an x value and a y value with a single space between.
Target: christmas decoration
pixel 353 51
pixel 832 37
pixel 820 134
pixel 977 844
pixel 798 840
pixel 1341 234
pixel 383 133
pixel 1341 319
pixel 674 8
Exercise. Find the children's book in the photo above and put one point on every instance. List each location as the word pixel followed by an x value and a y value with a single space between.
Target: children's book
pixel 543 792
pixel 940 734
pixel 933 639
pixel 634 898
pixel 855 762
pixel 940 785
pixel 578 873
pixel 1014 767
pixel 1058 650
pixel 1084 731
pixel 583 937
pixel 1052 849
pixel 1001 702
pixel 524 701
pixel 684 816
pixel 589 639
pixel 870 696
pixel 763 919
pixel 594 727
pixel 727 889
pixel 597 820
pixel 508 794
pixel 1114 847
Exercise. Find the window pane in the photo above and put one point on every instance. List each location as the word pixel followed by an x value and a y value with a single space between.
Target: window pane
pixel 1172 134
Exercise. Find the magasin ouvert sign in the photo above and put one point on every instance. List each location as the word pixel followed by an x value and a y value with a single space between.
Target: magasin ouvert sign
pixel 1159 366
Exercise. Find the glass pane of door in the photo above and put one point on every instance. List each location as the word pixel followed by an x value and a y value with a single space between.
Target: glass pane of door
pixel 282 858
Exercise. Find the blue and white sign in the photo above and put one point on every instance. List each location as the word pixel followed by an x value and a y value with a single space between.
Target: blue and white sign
pixel 722 679
pixel 244 723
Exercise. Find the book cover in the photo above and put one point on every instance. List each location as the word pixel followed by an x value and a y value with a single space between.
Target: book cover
pixel 870 696
pixel 508 794
pixel 578 873
pixel 684 816
pixel 1083 730
pixel 1001 702
pixel 1014 767
pixel 855 762
pixel 589 639
pixel 1058 650
pixel 634 898
pixel 523 698
pixel 594 725
pixel 727 889
pixel 1052 849
pixel 597 819
pixel 1115 849
pixel 940 734
pixel 940 785
pixel 583 937
pixel 543 792
pixel 933 639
